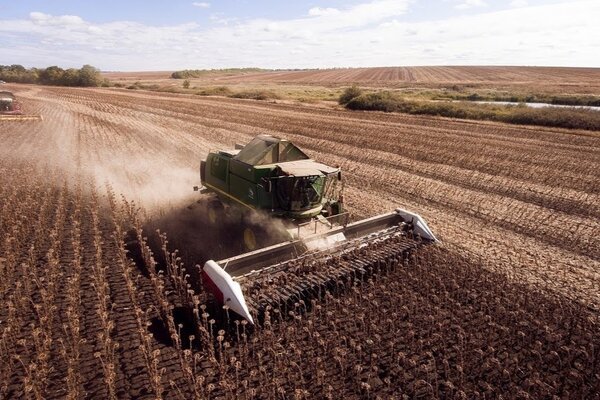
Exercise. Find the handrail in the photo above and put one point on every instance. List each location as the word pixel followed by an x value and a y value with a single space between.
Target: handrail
pixel 346 216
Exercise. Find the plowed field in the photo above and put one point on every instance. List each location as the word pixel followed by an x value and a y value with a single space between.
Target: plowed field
pixel 390 75
pixel 553 79
pixel 507 305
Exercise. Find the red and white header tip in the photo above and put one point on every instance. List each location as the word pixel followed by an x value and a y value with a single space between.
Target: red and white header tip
pixel 419 224
pixel 226 290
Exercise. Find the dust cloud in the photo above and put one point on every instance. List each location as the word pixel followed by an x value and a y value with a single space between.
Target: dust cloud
pixel 198 240
pixel 137 156
pixel 73 146
pixel 157 188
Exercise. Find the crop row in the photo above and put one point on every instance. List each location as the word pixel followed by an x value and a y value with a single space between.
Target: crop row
pixel 99 306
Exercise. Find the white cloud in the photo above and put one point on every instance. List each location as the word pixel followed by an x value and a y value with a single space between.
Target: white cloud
pixel 519 3
pixel 369 34
pixel 46 19
pixel 466 4
pixel 318 11
pixel 220 18
pixel 201 4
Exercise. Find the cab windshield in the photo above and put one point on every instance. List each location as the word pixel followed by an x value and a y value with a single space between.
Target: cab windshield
pixel 300 193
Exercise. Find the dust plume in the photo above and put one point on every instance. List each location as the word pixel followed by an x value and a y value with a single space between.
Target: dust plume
pixel 157 188
pixel 189 230
pixel 153 164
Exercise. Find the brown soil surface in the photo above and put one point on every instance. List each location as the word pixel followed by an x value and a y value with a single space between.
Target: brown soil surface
pixel 507 304
pixel 550 80
pixel 391 75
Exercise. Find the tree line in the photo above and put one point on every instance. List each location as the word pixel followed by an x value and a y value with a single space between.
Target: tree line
pixel 56 76
pixel 354 98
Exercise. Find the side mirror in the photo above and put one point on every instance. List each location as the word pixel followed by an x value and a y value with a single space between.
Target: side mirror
pixel 196 188
pixel 339 175
pixel 268 185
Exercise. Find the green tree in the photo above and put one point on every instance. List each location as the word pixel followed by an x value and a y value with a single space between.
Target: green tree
pixel 86 76
pixel 17 68
pixel 89 76
pixel 52 75
pixel 70 77
pixel 186 84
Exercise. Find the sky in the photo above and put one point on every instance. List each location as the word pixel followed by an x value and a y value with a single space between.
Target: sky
pixel 171 35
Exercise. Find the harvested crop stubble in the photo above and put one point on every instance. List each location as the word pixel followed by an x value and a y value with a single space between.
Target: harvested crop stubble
pixel 508 304
pixel 389 76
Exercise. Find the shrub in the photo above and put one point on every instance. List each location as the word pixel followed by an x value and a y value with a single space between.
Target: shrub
pixel 520 114
pixel 380 101
pixel 349 94
pixel 255 94
pixel 171 89
pixel 214 91
pixel 135 86
pixel 561 117
pixel 186 84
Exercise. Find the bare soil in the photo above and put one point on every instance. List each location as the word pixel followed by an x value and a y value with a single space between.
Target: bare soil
pixel 548 80
pixel 507 304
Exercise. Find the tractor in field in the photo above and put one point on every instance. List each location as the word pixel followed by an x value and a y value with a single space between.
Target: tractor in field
pixel 272 177
pixel 10 108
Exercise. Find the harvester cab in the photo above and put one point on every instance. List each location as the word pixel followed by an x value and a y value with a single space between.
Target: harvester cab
pixel 10 108
pixel 273 176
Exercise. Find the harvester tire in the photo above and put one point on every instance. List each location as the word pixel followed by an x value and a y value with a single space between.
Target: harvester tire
pixel 254 237
pixel 214 213
pixel 250 239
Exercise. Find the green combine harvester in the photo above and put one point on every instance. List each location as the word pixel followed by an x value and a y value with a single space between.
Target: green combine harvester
pixel 287 202
pixel 273 177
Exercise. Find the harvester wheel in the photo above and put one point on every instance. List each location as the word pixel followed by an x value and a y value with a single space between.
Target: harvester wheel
pixel 250 242
pixel 214 213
